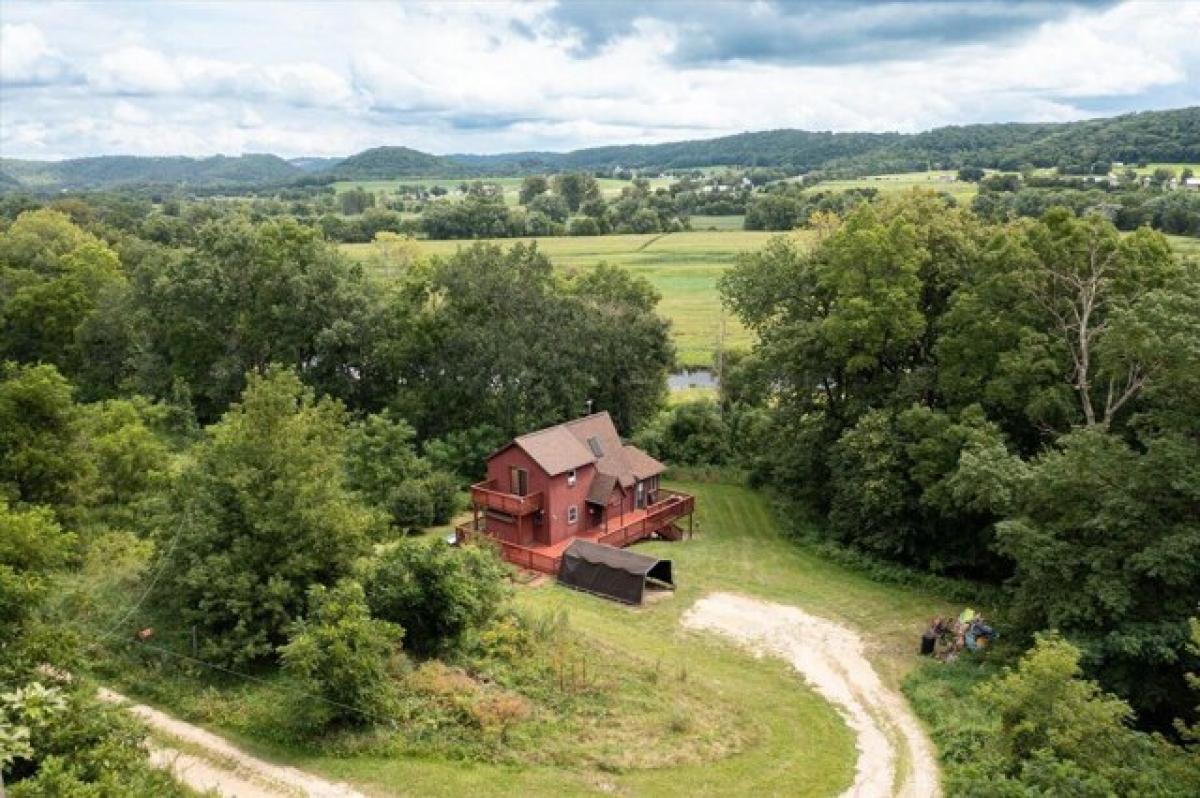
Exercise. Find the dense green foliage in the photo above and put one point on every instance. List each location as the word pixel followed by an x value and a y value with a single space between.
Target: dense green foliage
pixel 245 297
pixel 344 658
pixel 1127 200
pixel 70 744
pixel 38 462
pixel 435 593
pixel 1000 401
pixel 261 513
pixel 495 337
pixel 56 738
pixel 1040 729
pixel 382 464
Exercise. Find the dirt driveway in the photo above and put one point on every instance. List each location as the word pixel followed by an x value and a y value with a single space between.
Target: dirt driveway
pixel 832 659
pixel 223 768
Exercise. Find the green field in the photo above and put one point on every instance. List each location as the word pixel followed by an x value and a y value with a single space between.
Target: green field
pixel 609 187
pixel 794 743
pixel 940 181
pixel 684 267
pixel 723 223
pixel 1149 168
pixel 1186 246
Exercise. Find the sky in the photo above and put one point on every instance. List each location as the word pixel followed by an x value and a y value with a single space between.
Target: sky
pixel 333 78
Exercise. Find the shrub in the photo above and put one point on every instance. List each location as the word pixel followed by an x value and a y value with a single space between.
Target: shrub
pixel 345 658
pixel 1058 734
pixel 437 593
pixel 691 433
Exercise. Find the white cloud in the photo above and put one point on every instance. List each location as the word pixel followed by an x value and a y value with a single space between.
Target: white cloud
pixel 136 70
pixel 27 59
pixel 334 78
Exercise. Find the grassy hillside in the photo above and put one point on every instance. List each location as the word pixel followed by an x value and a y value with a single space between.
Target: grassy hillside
pixel 780 738
pixel 684 267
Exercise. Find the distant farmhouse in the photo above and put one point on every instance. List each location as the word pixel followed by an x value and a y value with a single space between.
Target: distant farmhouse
pixel 574 481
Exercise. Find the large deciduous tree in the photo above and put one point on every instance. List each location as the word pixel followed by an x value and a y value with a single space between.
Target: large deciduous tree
pixel 39 457
pixel 576 188
pixel 245 297
pixel 494 337
pixel 1106 541
pixel 58 284
pixel 262 513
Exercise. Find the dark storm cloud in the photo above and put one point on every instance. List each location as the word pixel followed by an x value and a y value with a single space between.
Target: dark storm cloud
pixel 821 32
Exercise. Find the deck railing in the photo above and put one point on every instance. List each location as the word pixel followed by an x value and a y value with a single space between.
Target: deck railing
pixel 658 515
pixel 484 494
pixel 670 507
pixel 522 556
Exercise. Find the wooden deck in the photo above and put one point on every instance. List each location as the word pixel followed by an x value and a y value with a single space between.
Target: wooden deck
pixel 630 528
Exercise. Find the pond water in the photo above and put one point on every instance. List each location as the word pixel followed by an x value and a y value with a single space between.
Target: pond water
pixel 694 378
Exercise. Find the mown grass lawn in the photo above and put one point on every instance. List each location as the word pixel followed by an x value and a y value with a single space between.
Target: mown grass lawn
pixel 684 267
pixel 798 746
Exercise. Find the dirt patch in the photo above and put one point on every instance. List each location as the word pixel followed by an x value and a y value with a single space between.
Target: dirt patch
pixel 224 768
pixel 832 659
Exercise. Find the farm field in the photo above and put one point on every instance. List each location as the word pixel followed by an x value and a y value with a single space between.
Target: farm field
pixel 942 181
pixel 793 742
pixel 684 267
pixel 722 223
pixel 609 187
pixel 1186 246
pixel 1149 168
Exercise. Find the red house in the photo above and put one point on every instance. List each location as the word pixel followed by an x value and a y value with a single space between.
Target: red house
pixel 574 480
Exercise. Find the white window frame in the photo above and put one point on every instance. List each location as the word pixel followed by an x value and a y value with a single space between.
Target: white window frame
pixel 572 476
pixel 573 514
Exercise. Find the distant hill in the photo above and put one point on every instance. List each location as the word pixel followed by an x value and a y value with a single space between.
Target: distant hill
pixel 800 148
pixel 117 170
pixel 1162 136
pixel 314 164
pixel 1167 136
pixel 382 163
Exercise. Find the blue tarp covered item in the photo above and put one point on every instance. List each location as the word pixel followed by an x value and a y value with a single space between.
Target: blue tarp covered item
pixel 979 633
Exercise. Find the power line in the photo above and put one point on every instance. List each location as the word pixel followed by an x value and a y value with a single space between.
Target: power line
pixel 260 680
pixel 159 569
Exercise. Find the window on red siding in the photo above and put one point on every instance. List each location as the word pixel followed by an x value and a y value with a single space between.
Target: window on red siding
pixel 571 475
pixel 573 514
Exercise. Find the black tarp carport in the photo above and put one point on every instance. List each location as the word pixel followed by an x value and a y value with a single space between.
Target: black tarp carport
pixel 612 572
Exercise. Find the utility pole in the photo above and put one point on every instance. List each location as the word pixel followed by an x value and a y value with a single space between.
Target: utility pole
pixel 720 364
